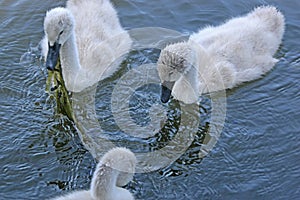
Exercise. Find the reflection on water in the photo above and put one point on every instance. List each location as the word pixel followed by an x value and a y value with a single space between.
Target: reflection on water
pixel 167 137
pixel 256 156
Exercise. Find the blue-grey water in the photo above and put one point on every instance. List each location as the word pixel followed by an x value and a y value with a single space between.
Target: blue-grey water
pixel 257 154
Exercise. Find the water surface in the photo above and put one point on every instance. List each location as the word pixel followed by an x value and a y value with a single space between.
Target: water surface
pixel 256 156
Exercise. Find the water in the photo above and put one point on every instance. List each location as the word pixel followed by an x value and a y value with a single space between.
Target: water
pixel 256 156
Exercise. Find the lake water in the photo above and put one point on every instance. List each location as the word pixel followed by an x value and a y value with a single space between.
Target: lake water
pixel 256 155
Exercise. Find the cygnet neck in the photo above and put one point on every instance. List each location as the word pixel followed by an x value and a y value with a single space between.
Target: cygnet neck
pixel 104 185
pixel 70 62
pixel 203 64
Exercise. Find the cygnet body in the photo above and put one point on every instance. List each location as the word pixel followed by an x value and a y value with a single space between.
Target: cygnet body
pixel 221 57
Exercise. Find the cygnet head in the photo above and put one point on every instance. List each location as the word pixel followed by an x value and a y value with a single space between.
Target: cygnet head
pixel 115 169
pixel 122 160
pixel 58 26
pixel 174 61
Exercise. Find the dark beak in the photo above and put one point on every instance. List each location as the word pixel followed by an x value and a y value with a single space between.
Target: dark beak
pixel 166 90
pixel 53 55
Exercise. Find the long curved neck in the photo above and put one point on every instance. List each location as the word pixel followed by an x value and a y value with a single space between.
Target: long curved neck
pixel 192 82
pixel 103 181
pixel 204 67
pixel 104 185
pixel 70 61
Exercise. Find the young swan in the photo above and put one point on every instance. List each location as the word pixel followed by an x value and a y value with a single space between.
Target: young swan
pixel 88 39
pixel 115 169
pixel 221 57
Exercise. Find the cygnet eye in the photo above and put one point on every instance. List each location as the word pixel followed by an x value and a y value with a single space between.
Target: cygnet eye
pixel 61 32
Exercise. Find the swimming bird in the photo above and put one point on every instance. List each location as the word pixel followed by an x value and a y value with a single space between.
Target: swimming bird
pixel 115 169
pixel 88 39
pixel 221 57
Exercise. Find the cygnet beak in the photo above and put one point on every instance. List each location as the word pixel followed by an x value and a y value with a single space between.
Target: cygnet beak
pixel 53 55
pixel 166 90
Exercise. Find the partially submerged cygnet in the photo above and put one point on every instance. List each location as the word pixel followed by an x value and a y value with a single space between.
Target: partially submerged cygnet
pixel 88 39
pixel 221 57
pixel 115 169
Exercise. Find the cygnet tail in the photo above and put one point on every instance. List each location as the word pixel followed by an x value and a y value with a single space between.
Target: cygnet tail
pixel 272 17
pixel 116 168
